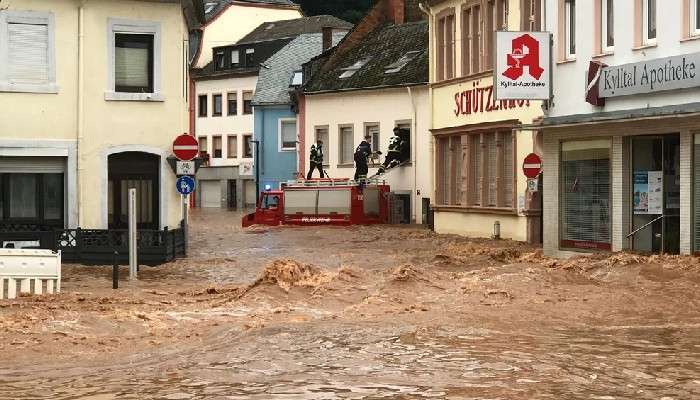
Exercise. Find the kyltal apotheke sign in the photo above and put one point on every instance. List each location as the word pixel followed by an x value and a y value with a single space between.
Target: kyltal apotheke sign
pixel 661 74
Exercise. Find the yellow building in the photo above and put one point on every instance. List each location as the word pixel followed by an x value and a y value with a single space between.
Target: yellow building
pixel 479 143
pixel 92 94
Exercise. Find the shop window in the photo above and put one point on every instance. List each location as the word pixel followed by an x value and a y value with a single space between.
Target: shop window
pixel 216 146
pixel 247 102
pixel 531 15
pixel 232 146
pixel 217 106
pixel 248 146
pixel 445 46
pixel 346 145
pixel 203 105
pixel 32 198
pixel 585 195
pixel 232 103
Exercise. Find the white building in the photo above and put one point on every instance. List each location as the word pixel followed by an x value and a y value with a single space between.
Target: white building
pixel 223 118
pixel 620 169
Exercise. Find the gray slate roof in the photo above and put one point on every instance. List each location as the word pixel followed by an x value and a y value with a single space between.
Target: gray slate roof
pixel 294 27
pixel 221 5
pixel 273 83
pixel 386 45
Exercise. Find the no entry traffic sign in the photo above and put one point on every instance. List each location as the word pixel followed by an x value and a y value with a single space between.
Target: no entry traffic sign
pixel 532 165
pixel 185 147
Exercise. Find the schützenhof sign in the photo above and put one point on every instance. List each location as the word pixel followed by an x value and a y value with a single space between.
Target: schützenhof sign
pixel 678 72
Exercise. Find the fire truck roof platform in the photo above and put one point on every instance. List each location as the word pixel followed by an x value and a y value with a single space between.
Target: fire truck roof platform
pixel 330 182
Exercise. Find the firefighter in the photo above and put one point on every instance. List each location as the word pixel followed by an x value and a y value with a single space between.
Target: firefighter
pixel 364 149
pixel 316 159
pixel 393 156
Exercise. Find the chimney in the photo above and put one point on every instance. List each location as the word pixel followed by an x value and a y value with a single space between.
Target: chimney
pixel 327 33
pixel 396 11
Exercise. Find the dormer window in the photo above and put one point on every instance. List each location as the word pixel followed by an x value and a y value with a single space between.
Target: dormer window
pixel 249 57
pixel 219 59
pixel 235 58
pixel 209 7
pixel 297 78
pixel 350 71
pixel 402 62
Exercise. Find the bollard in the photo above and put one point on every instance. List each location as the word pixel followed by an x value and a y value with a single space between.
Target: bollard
pixel 115 271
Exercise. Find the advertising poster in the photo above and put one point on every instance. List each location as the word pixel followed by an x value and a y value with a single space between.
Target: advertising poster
pixel 648 192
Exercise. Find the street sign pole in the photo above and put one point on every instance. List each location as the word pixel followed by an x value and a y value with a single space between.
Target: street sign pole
pixel 185 216
pixel 133 242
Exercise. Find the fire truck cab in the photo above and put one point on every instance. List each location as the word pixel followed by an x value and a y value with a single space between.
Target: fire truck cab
pixel 322 202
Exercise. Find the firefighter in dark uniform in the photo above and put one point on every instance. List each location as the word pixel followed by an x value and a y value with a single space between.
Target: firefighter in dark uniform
pixel 316 159
pixel 393 156
pixel 364 149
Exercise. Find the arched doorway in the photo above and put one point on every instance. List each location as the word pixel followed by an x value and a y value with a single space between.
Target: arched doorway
pixel 134 170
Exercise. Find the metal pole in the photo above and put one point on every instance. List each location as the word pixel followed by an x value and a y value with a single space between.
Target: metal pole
pixel 133 253
pixel 184 219
pixel 115 271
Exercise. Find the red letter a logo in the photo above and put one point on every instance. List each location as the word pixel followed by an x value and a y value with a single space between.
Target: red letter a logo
pixel 519 59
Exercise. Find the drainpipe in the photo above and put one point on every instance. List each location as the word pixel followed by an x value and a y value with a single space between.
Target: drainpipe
pixel 414 134
pixel 431 140
pixel 81 106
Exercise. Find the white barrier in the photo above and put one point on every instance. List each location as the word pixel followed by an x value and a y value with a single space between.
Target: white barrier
pixel 35 271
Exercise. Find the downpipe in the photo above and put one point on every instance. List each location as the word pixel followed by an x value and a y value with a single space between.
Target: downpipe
pixel 414 135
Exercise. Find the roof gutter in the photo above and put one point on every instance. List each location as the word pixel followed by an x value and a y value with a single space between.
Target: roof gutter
pixel 366 88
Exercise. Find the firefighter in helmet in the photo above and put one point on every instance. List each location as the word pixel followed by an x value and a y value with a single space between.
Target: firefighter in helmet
pixel 393 156
pixel 362 152
pixel 316 159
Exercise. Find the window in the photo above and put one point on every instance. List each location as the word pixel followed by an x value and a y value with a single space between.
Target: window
pixel 402 62
pixel 203 103
pixel 585 194
pixel 502 15
pixel 216 146
pixel 648 22
pixel 27 58
pixel 249 57
pixel 235 58
pixel 247 102
pixel 217 106
pixel 405 133
pixel 322 134
pixel 288 135
pixel 297 78
pixel 694 17
pixel 445 46
pixel 570 28
pixel 346 145
pixel 219 59
pixel 532 15
pixel 232 146
pixel 471 40
pixel 135 61
pixel 491 173
pixel 372 130
pixel 248 146
pixel 350 71
pixel 607 26
pixel 32 198
pixel 203 149
pixel 232 106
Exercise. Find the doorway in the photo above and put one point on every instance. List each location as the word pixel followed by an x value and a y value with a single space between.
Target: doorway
pixel 134 170
pixel 232 199
pixel 655 194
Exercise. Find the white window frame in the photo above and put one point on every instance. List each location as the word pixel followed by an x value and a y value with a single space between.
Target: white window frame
pixel 604 27
pixel 29 17
pixel 646 40
pixel 694 30
pixel 280 146
pixel 569 54
pixel 116 25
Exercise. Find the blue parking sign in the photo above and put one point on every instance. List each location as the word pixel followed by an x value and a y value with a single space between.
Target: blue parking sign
pixel 185 185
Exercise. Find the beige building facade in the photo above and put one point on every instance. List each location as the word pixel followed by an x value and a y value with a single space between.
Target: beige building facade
pixel 480 143
pixel 92 94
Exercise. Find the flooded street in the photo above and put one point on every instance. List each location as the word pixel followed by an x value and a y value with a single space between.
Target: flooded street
pixel 360 313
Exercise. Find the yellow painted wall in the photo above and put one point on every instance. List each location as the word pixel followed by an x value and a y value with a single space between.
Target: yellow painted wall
pixel 480 225
pixel 236 22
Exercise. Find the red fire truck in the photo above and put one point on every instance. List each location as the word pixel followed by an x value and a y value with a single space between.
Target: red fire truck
pixel 322 202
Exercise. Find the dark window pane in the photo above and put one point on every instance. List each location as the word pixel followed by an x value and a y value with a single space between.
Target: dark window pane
pixel 232 103
pixel 217 105
pixel 249 57
pixel 133 63
pixel 219 60
pixel 652 19
pixel 572 25
pixel 53 196
pixel 248 146
pixel 203 106
pixel 611 24
pixel 23 198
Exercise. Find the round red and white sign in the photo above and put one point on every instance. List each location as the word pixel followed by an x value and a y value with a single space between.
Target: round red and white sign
pixel 532 166
pixel 185 147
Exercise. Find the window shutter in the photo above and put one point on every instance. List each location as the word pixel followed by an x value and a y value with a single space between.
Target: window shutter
pixel 492 172
pixel 508 177
pixel 131 67
pixel 28 53
pixel 475 155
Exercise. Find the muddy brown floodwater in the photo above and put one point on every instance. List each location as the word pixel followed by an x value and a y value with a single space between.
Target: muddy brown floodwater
pixel 360 313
